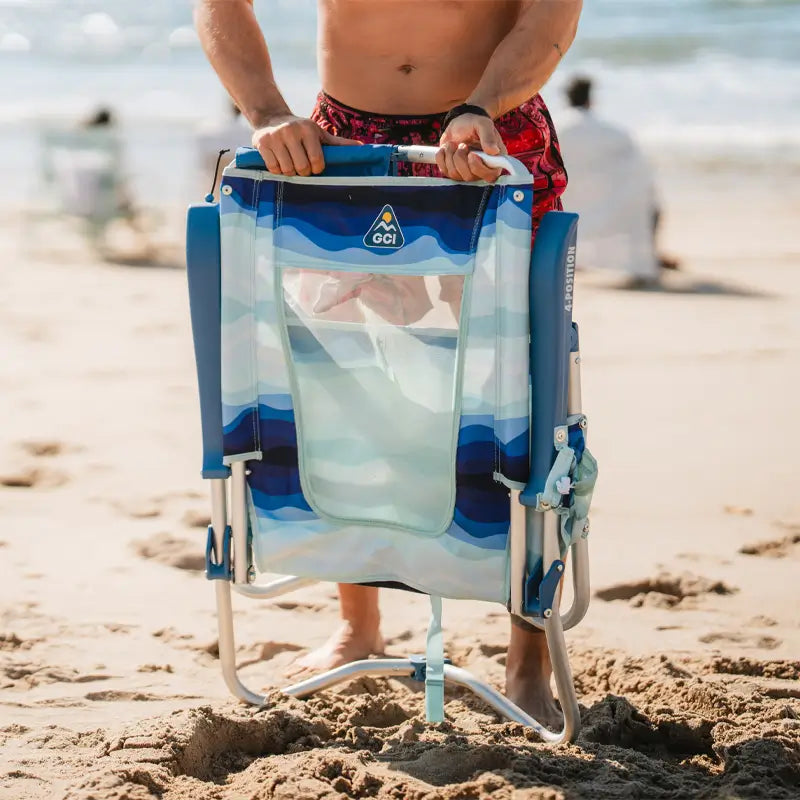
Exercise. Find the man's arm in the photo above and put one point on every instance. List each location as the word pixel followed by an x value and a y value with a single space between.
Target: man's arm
pixel 528 55
pixel 519 67
pixel 232 40
pixel 235 46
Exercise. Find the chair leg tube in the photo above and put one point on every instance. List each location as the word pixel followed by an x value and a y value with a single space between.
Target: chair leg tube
pixel 580 584
pixel 241 556
pixel 559 659
pixel 554 631
pixel 547 526
pixel 397 667
pixel 499 702
pixel 265 591
pixel 227 647
pixel 227 643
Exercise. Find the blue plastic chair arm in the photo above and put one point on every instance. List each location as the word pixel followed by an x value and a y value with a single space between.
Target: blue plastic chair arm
pixel 551 283
pixel 203 272
pixel 340 160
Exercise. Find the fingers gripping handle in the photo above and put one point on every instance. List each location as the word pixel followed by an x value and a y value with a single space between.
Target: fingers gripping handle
pixel 422 154
pixel 378 156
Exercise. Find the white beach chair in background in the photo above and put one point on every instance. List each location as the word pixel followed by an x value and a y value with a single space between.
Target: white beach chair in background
pixel 390 394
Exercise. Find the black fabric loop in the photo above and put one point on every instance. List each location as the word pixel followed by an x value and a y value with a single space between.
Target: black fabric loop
pixel 216 175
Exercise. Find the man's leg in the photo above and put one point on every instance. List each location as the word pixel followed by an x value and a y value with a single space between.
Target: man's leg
pixel 528 672
pixel 359 635
pixel 663 261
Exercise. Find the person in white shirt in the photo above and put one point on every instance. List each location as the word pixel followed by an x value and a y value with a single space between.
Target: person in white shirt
pixel 611 186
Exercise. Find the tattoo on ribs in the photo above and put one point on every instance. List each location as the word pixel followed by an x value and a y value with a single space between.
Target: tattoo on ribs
pixel 558 49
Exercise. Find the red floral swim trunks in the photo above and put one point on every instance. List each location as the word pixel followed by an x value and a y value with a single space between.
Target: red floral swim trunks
pixel 527 132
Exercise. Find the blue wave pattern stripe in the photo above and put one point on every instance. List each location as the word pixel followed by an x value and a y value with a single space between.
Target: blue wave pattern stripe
pixel 483 232
pixel 328 223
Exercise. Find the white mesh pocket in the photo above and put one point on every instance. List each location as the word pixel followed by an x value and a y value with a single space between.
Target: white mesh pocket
pixel 375 363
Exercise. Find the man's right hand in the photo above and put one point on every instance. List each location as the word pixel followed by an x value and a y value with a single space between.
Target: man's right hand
pixel 292 145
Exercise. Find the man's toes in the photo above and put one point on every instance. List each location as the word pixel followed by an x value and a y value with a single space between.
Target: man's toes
pixel 295 672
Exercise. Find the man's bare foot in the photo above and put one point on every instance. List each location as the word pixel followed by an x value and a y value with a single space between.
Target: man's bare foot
pixel 359 636
pixel 528 674
pixel 532 694
pixel 344 646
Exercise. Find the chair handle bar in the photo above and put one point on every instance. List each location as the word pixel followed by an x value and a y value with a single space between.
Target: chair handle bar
pixel 379 156
pixel 426 154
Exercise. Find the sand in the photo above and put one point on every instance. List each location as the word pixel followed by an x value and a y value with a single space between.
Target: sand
pixel 686 665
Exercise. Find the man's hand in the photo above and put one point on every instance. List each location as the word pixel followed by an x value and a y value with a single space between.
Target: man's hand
pixel 292 145
pixel 466 133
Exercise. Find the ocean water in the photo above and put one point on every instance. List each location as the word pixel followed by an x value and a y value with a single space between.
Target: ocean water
pixel 704 81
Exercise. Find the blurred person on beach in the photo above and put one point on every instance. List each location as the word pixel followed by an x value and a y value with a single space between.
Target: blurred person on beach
pixel 612 188
pixel 462 76
pixel 214 136
pixel 85 166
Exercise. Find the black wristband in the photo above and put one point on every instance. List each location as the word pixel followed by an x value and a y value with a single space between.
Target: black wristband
pixel 464 108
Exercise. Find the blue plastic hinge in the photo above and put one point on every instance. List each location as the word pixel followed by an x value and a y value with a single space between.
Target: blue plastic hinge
pixel 216 569
pixel 539 598
pixel 574 338
pixel 419 668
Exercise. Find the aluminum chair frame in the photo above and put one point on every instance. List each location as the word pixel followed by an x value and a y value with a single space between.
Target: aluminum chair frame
pixel 555 369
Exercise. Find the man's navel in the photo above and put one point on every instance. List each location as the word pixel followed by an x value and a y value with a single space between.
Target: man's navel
pixel 406 69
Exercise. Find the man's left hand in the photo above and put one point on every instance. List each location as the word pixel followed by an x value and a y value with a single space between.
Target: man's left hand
pixel 464 134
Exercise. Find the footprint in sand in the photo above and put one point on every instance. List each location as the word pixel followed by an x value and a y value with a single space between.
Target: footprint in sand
pixel 138 509
pixel 665 591
pixel 750 667
pixel 760 621
pixel 738 511
pixel 43 448
pixel 171 635
pixel 33 478
pixel 777 548
pixel 119 627
pixel 266 651
pixel 34 475
pixel 467 652
pixel 742 639
pixel 187 641
pixel 289 605
pixel 403 636
pixel 150 507
pixel 196 519
pixel 173 552
pixel 24 675
pixel 155 668
pixel 117 695
pixel 10 641
pixel 707 557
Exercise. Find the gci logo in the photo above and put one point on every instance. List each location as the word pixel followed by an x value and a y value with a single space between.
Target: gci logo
pixel 385 231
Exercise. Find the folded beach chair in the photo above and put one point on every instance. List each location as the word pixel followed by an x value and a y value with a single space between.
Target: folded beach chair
pixel 389 390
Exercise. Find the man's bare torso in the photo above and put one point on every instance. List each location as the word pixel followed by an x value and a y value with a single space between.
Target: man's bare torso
pixel 408 56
